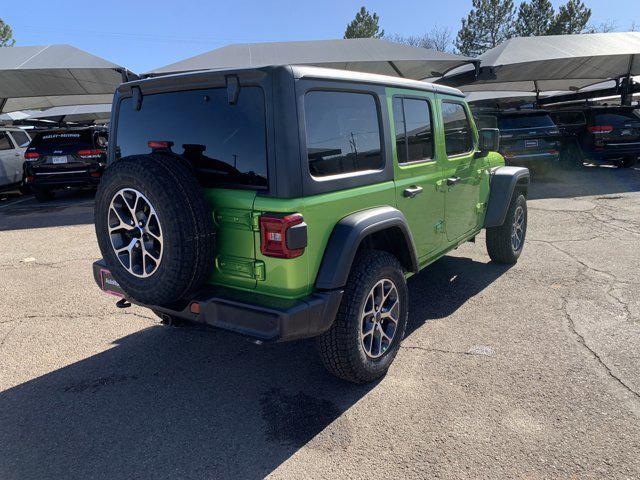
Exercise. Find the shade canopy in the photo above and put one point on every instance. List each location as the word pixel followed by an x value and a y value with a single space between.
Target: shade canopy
pixel 55 75
pixel 76 113
pixel 368 55
pixel 554 62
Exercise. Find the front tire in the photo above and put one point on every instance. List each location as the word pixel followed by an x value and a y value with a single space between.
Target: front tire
pixel 366 334
pixel 505 243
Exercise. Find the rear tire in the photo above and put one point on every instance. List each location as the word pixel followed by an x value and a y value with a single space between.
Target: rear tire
pixel 42 194
pixel 505 243
pixel 346 349
pixel 178 249
pixel 628 162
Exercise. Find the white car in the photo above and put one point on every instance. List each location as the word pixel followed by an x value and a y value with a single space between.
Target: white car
pixel 13 143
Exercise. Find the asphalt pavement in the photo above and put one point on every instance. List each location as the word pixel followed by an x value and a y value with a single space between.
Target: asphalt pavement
pixel 524 372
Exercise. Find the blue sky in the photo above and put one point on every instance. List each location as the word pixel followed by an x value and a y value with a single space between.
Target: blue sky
pixel 145 34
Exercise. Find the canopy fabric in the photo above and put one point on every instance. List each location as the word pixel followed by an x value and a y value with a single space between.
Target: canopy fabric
pixel 76 113
pixel 368 55
pixel 55 75
pixel 554 62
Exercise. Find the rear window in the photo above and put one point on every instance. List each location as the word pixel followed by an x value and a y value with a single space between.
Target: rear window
pixel 225 143
pixel 618 118
pixel 343 133
pixel 524 121
pixel 21 138
pixel 62 140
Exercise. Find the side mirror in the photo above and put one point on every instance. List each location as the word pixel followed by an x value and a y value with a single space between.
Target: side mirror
pixel 489 140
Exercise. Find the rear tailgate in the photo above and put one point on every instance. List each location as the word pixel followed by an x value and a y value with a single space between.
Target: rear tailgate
pixel 64 152
pixel 617 128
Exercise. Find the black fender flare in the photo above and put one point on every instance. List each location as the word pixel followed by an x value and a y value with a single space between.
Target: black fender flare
pixel 503 182
pixel 349 233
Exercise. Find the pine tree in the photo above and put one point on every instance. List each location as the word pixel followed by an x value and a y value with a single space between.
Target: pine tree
pixel 6 35
pixel 489 23
pixel 572 18
pixel 365 25
pixel 534 18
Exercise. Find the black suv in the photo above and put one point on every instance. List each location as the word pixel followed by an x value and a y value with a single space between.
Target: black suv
pixel 72 157
pixel 528 138
pixel 611 134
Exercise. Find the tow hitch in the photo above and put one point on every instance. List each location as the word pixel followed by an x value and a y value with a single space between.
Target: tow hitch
pixel 123 303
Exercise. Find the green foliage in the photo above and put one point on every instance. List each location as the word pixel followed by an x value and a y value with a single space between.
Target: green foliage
pixel 572 17
pixel 365 25
pixel 6 35
pixel 489 23
pixel 534 18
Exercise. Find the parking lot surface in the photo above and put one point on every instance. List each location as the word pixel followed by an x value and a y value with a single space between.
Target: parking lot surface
pixel 524 372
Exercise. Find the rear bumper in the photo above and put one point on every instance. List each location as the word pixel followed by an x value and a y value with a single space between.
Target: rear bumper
pixel 73 175
pixel 260 317
pixel 614 151
pixel 524 159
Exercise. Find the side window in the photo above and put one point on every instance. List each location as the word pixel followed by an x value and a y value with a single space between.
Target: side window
pixel 457 129
pixel 5 143
pixel 414 133
pixel 343 133
pixel 21 138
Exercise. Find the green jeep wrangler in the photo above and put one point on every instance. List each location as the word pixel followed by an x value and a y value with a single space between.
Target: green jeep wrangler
pixel 290 202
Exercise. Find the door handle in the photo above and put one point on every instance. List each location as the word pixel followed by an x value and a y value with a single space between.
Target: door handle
pixel 452 181
pixel 412 191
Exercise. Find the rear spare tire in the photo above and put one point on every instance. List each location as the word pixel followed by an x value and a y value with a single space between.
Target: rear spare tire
pixel 154 228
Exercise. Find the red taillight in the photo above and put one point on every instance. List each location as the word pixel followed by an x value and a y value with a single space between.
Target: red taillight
pixel 31 155
pixel 96 174
pixel 160 144
pixel 28 179
pixel 90 153
pixel 601 129
pixel 273 236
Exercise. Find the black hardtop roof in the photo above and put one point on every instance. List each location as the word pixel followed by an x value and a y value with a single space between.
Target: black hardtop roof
pixel 298 72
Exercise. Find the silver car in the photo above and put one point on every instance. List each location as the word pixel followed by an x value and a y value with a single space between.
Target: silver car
pixel 13 143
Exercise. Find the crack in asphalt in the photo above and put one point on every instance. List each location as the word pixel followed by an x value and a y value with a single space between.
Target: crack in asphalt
pixel 594 354
pixel 6 335
pixel 439 350
pixel 20 263
pixel 612 282
pixel 74 316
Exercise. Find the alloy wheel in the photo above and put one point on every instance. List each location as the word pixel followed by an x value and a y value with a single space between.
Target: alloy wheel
pixel 135 232
pixel 379 318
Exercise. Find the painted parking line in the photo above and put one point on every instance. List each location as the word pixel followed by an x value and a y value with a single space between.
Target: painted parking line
pixel 12 203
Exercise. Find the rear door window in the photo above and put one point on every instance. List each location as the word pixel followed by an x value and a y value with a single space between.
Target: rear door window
pixel 414 132
pixel 457 129
pixel 342 132
pixel 21 138
pixel 226 143
pixel 5 142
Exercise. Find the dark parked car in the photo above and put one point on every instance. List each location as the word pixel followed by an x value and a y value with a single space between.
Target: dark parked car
pixel 72 157
pixel 528 138
pixel 611 134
